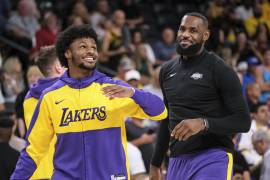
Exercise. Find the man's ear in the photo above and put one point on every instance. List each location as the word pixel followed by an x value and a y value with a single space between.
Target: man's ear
pixel 59 68
pixel 206 35
pixel 68 54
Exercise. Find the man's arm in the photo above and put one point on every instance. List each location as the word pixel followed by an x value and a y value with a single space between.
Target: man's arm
pixel 144 105
pixel 38 136
pixel 237 118
pixel 229 87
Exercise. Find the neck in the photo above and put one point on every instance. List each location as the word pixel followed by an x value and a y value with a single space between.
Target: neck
pixel 261 123
pixel 199 52
pixel 80 73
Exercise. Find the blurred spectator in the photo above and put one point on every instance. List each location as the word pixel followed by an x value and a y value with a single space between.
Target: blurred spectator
pixel 166 48
pixel 49 30
pixel 261 142
pixel 80 9
pixel 13 82
pixel 137 168
pixel 253 94
pixel 100 18
pixel 143 64
pixel 154 86
pixel 266 10
pixel 133 78
pixel 263 76
pixel 214 9
pixel 116 43
pixel 241 70
pixel 124 66
pixel 22 27
pixel 260 41
pixel 141 137
pixel 225 52
pixel 23 23
pixel 240 165
pixel 242 49
pixel 32 75
pixel 244 10
pixel 4 13
pixel 8 155
pixel 250 76
pixel 15 142
pixel 139 39
pixel 252 22
pixel 133 14
pixel 260 114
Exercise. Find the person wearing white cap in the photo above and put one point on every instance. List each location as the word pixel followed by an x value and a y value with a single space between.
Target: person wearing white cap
pixel 133 78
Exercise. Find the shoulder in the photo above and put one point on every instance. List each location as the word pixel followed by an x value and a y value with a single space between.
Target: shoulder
pixel 169 66
pixel 28 95
pixel 109 80
pixel 57 85
pixel 217 61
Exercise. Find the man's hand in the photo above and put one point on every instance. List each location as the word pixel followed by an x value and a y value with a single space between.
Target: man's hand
pixel 155 173
pixel 187 128
pixel 148 138
pixel 118 91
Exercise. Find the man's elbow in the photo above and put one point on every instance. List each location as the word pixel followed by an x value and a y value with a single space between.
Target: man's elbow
pixel 161 116
pixel 246 123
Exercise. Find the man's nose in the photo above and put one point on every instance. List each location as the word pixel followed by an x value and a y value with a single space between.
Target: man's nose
pixel 185 34
pixel 90 51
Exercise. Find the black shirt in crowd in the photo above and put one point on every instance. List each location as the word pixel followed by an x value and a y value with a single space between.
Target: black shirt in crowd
pixel 202 86
pixel 135 132
pixel 8 160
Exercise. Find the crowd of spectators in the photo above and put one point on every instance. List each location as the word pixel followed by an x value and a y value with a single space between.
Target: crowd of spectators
pixel 135 38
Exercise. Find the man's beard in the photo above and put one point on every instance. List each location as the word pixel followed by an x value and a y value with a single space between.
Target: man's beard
pixel 82 66
pixel 190 50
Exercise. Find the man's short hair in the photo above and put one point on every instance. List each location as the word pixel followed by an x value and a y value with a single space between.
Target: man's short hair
pixel 68 36
pixel 254 108
pixel 261 135
pixel 199 15
pixel 46 57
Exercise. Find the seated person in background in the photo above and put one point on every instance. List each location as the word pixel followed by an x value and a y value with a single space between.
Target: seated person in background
pixel 261 142
pixel 8 155
pixel 260 114
pixel 240 165
pixel 137 168
pixel 253 94
pixel 141 137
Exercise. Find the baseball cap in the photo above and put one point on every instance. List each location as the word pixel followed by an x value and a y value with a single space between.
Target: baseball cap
pixel 242 66
pixel 132 75
pixel 253 61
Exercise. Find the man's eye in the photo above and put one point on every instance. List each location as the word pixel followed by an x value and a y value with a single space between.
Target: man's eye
pixel 82 46
pixel 181 29
pixel 193 30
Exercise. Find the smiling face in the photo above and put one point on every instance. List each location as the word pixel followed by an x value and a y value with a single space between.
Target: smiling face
pixel 191 35
pixel 82 54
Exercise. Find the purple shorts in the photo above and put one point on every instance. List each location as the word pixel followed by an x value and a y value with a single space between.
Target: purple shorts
pixel 211 164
